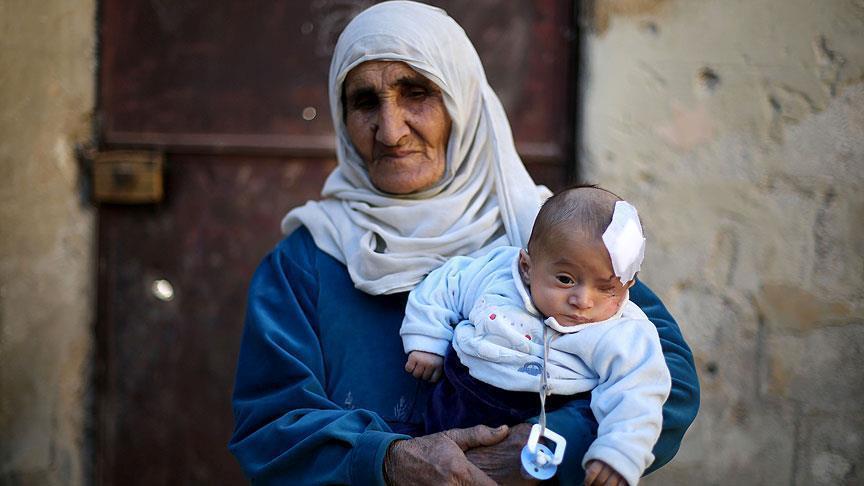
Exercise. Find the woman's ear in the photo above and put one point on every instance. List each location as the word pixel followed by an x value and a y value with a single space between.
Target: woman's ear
pixel 525 266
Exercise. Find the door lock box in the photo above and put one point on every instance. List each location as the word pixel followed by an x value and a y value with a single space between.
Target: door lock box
pixel 128 177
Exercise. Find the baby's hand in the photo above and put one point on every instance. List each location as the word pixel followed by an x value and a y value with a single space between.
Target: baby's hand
pixel 598 473
pixel 424 365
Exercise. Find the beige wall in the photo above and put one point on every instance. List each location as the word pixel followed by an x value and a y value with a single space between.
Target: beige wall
pixel 46 240
pixel 737 129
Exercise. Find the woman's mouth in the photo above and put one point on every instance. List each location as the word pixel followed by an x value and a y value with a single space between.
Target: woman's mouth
pixel 394 153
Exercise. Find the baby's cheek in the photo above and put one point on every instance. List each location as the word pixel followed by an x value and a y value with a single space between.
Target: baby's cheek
pixel 610 305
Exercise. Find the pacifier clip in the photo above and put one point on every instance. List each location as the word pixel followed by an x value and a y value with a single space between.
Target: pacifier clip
pixel 538 461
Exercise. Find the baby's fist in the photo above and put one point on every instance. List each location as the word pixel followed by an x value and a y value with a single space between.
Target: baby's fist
pixel 427 366
pixel 598 473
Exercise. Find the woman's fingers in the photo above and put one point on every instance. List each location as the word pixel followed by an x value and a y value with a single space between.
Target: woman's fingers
pixel 476 476
pixel 437 459
pixel 477 436
pixel 501 461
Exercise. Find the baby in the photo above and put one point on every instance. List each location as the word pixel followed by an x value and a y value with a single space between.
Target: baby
pixel 585 249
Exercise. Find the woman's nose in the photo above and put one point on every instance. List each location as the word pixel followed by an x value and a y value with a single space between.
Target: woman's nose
pixel 392 127
pixel 580 298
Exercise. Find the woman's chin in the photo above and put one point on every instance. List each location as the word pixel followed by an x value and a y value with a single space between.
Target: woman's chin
pixel 397 176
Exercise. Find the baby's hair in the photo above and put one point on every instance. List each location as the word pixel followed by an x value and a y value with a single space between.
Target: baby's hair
pixel 583 209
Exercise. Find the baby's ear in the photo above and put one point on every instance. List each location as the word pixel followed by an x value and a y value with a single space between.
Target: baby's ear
pixel 525 266
pixel 629 284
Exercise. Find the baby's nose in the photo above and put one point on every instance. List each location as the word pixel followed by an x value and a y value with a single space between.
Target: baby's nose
pixel 580 298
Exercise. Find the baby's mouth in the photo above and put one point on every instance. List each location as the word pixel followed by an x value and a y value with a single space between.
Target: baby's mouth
pixel 572 320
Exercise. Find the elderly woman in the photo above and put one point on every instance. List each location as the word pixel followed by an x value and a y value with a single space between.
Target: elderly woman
pixel 427 171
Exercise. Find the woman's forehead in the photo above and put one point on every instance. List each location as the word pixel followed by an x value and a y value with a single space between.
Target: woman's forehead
pixel 382 74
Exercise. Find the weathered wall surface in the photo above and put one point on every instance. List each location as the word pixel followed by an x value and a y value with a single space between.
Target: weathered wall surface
pixel 47 84
pixel 737 128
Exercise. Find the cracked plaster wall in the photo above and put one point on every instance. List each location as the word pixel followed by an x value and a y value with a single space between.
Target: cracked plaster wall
pixel 737 129
pixel 47 68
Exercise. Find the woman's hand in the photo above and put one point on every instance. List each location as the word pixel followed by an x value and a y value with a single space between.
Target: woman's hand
pixel 425 366
pixel 598 473
pixel 438 459
pixel 502 461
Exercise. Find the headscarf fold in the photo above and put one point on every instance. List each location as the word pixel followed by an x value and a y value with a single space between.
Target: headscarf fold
pixel 485 198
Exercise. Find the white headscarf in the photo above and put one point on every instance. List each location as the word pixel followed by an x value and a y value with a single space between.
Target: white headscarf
pixel 485 198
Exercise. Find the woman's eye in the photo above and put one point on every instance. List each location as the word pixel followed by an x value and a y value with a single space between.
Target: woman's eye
pixel 364 102
pixel 564 279
pixel 417 93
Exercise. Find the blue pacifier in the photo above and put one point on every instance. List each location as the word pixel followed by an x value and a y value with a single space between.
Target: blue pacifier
pixel 537 459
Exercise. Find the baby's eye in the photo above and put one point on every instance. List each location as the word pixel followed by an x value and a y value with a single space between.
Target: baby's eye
pixel 564 279
pixel 607 289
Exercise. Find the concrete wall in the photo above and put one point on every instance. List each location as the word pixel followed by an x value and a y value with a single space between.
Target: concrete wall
pixel 737 129
pixel 47 86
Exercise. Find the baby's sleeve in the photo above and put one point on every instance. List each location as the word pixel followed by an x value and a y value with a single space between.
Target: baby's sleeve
pixel 434 307
pixel 628 401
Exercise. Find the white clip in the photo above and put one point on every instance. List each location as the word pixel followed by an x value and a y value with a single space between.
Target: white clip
pixel 537 460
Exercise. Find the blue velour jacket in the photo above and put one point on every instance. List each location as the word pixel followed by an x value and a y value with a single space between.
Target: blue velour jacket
pixel 321 391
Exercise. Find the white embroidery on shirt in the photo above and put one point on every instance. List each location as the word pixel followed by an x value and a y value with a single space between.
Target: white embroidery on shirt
pixel 400 411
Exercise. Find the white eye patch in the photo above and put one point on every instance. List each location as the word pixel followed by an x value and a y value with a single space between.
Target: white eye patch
pixel 623 238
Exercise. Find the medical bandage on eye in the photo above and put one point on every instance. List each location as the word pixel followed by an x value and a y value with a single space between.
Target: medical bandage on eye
pixel 623 238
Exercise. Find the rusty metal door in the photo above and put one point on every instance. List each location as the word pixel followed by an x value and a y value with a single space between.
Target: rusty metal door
pixel 234 94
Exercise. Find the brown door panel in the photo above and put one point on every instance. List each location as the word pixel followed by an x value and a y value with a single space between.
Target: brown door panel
pixel 227 90
pixel 168 366
pixel 229 75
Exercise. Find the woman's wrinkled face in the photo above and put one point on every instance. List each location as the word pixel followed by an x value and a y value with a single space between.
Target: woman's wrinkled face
pixel 397 121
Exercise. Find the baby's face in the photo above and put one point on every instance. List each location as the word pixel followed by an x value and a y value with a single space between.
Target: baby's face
pixel 571 279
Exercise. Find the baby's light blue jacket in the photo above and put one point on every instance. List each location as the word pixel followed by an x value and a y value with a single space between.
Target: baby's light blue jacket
pixel 620 359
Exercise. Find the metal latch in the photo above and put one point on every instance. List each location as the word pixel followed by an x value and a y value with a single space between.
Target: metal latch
pixel 128 176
